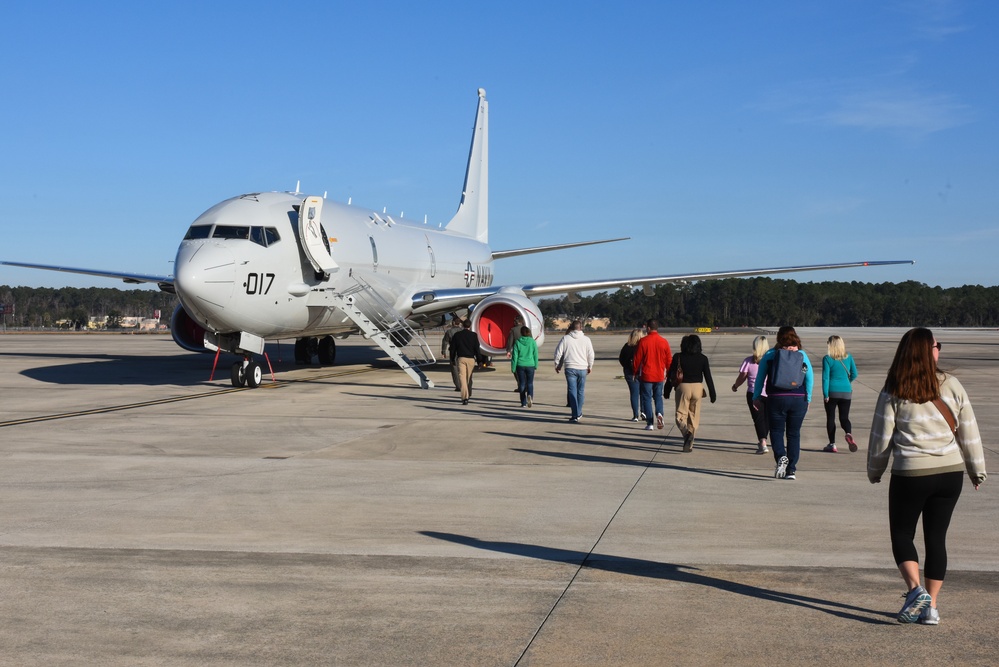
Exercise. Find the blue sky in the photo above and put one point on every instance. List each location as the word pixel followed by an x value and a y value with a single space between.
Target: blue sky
pixel 716 135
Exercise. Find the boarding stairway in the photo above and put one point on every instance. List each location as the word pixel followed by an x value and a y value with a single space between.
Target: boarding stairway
pixel 382 323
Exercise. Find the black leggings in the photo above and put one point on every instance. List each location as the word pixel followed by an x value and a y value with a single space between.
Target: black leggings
pixel 759 416
pixel 844 417
pixel 933 496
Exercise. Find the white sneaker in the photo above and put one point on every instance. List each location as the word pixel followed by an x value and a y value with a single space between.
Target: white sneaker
pixel 781 468
pixel 649 427
pixel 659 421
pixel 530 401
pixel 929 616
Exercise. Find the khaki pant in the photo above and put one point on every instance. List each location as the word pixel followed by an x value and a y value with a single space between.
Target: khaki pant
pixel 689 396
pixel 465 367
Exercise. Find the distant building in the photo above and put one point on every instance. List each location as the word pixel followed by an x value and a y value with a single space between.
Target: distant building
pixel 562 322
pixel 129 322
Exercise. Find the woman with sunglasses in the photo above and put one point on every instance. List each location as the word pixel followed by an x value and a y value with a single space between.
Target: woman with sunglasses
pixel 929 460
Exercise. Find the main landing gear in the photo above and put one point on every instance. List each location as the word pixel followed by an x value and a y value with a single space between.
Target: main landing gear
pixel 246 373
pixel 324 348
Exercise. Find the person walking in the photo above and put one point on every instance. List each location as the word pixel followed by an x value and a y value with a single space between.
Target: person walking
pixel 511 340
pixel 924 422
pixel 446 351
pixel 789 380
pixel 748 373
pixel 626 358
pixel 693 367
pixel 838 373
pixel 524 362
pixel 464 350
pixel 574 353
pixel 652 357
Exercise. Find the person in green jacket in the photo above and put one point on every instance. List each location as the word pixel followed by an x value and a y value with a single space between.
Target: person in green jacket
pixel 523 363
pixel 838 373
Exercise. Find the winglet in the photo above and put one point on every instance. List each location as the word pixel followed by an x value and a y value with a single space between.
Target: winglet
pixel 472 217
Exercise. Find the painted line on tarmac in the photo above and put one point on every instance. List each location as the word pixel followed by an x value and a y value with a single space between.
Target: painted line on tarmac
pixel 176 399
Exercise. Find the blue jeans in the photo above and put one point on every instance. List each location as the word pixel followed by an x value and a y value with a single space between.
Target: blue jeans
pixel 786 413
pixel 650 391
pixel 575 380
pixel 633 389
pixel 525 383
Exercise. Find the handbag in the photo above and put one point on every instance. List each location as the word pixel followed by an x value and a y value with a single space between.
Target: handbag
pixel 676 373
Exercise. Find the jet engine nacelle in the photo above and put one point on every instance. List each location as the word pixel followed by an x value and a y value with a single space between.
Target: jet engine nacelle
pixel 186 332
pixel 494 316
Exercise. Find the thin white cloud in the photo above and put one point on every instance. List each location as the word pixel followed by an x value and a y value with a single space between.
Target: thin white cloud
pixel 907 111
pixel 868 106
pixel 935 20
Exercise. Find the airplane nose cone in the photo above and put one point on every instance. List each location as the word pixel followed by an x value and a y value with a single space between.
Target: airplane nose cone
pixel 204 276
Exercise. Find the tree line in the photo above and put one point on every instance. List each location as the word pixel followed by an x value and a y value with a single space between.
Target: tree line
pixel 43 307
pixel 734 302
pixel 737 302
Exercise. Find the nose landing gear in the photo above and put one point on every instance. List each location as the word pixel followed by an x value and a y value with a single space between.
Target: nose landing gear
pixel 246 373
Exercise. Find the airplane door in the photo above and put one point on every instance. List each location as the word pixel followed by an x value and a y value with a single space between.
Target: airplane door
pixel 433 259
pixel 313 236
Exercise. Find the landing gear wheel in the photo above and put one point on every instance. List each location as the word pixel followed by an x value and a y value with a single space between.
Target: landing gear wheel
pixel 327 351
pixel 302 352
pixel 253 374
pixel 238 377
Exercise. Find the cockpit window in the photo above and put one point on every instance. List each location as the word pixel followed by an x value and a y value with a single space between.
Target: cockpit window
pixel 265 236
pixel 198 232
pixel 231 232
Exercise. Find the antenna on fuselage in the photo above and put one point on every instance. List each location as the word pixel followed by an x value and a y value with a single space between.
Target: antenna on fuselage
pixel 298 185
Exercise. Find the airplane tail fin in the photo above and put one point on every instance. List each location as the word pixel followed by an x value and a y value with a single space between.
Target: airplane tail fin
pixel 472 217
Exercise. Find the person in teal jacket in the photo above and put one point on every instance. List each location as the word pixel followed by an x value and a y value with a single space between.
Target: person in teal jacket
pixel 523 363
pixel 838 372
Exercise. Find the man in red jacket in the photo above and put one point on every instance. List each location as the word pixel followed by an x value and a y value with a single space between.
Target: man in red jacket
pixel 652 358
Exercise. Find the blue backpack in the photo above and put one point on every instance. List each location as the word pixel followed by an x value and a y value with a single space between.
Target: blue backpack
pixel 787 370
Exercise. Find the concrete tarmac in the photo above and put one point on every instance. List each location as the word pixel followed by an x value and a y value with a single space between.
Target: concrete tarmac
pixel 343 516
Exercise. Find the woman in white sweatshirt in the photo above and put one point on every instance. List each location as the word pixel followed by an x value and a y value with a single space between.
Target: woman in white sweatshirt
pixel 912 425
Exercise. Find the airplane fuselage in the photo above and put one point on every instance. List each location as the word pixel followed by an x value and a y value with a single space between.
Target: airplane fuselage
pixel 242 267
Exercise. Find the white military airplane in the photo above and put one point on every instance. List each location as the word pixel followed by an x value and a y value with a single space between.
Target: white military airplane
pixel 279 265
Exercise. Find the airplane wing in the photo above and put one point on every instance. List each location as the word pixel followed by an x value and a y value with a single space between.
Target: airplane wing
pixel 446 299
pixel 500 254
pixel 563 288
pixel 165 283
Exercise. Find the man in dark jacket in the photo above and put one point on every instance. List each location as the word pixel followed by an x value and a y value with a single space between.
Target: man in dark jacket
pixel 449 333
pixel 464 349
